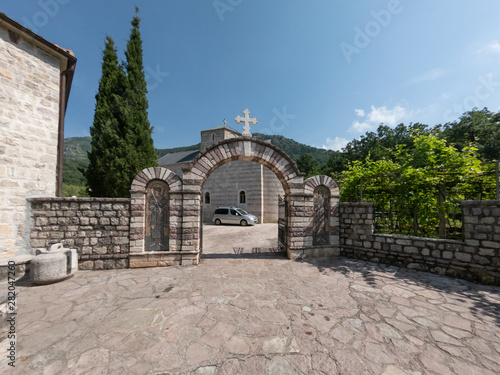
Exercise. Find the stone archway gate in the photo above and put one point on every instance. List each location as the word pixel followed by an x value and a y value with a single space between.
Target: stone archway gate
pixel 313 223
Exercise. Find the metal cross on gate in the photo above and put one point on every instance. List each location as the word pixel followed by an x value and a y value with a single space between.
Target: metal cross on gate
pixel 247 121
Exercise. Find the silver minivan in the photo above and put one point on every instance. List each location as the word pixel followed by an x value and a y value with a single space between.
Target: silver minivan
pixel 233 215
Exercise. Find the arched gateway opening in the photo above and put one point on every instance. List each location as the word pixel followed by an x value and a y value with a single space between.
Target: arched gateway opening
pixel 240 185
pixel 245 152
pixel 300 224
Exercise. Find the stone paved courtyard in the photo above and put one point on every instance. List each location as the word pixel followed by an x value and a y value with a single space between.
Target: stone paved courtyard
pixel 258 313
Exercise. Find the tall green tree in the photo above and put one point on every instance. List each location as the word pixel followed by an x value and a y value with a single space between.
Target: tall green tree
pixel 382 143
pixel 478 127
pixel 308 164
pixel 122 143
pixel 104 156
pixel 137 133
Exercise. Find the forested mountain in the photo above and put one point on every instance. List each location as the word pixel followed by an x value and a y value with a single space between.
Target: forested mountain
pixel 295 149
pixel 75 153
pixel 75 158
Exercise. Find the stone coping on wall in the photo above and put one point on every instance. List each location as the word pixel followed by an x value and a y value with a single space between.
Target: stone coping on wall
pixel 166 252
pixel 463 203
pixel 103 256
pixel 77 199
pixel 479 203
pixel 357 203
pixel 164 259
pixel 309 195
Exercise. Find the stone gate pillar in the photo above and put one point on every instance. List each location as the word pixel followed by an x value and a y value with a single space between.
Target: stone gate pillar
pixel 298 211
pixel 191 205
pixel 321 224
pixel 156 221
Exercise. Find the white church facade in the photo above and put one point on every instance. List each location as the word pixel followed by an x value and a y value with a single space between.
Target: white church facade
pixel 245 184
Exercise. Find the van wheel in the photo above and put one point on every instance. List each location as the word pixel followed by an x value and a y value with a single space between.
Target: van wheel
pixel 217 222
pixel 243 223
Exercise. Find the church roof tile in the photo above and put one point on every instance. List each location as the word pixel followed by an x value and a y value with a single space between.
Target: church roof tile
pixel 223 126
pixel 178 157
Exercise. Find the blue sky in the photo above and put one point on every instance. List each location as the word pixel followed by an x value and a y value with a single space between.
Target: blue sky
pixel 321 72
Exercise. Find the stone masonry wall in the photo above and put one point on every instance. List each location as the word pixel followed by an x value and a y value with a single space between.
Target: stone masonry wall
pixel 29 97
pixel 272 189
pixel 217 135
pixel 476 258
pixel 98 228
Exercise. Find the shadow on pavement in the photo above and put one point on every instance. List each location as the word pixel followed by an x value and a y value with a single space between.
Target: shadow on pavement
pixel 485 299
pixel 242 253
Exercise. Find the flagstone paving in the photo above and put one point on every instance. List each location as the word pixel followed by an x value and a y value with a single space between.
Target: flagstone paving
pixel 259 313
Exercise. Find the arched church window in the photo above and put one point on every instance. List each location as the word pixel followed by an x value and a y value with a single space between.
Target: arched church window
pixel 207 198
pixel 243 197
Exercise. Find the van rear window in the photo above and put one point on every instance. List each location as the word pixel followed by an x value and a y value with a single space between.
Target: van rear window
pixel 221 211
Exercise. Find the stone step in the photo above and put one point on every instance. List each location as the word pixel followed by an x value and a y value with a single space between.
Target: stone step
pixel 22 264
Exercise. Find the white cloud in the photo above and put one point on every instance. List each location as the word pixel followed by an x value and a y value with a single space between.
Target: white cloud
pixel 430 75
pixel 387 116
pixel 492 47
pixel 335 144
pixel 360 127
pixel 376 116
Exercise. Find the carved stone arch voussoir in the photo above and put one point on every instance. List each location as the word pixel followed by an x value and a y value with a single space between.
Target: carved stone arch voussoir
pixel 142 179
pixel 321 180
pixel 249 149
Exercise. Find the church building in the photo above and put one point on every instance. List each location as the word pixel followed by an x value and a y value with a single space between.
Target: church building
pixel 245 184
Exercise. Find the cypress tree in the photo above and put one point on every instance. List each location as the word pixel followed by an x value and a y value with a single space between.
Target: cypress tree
pixel 121 144
pixel 103 172
pixel 137 132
